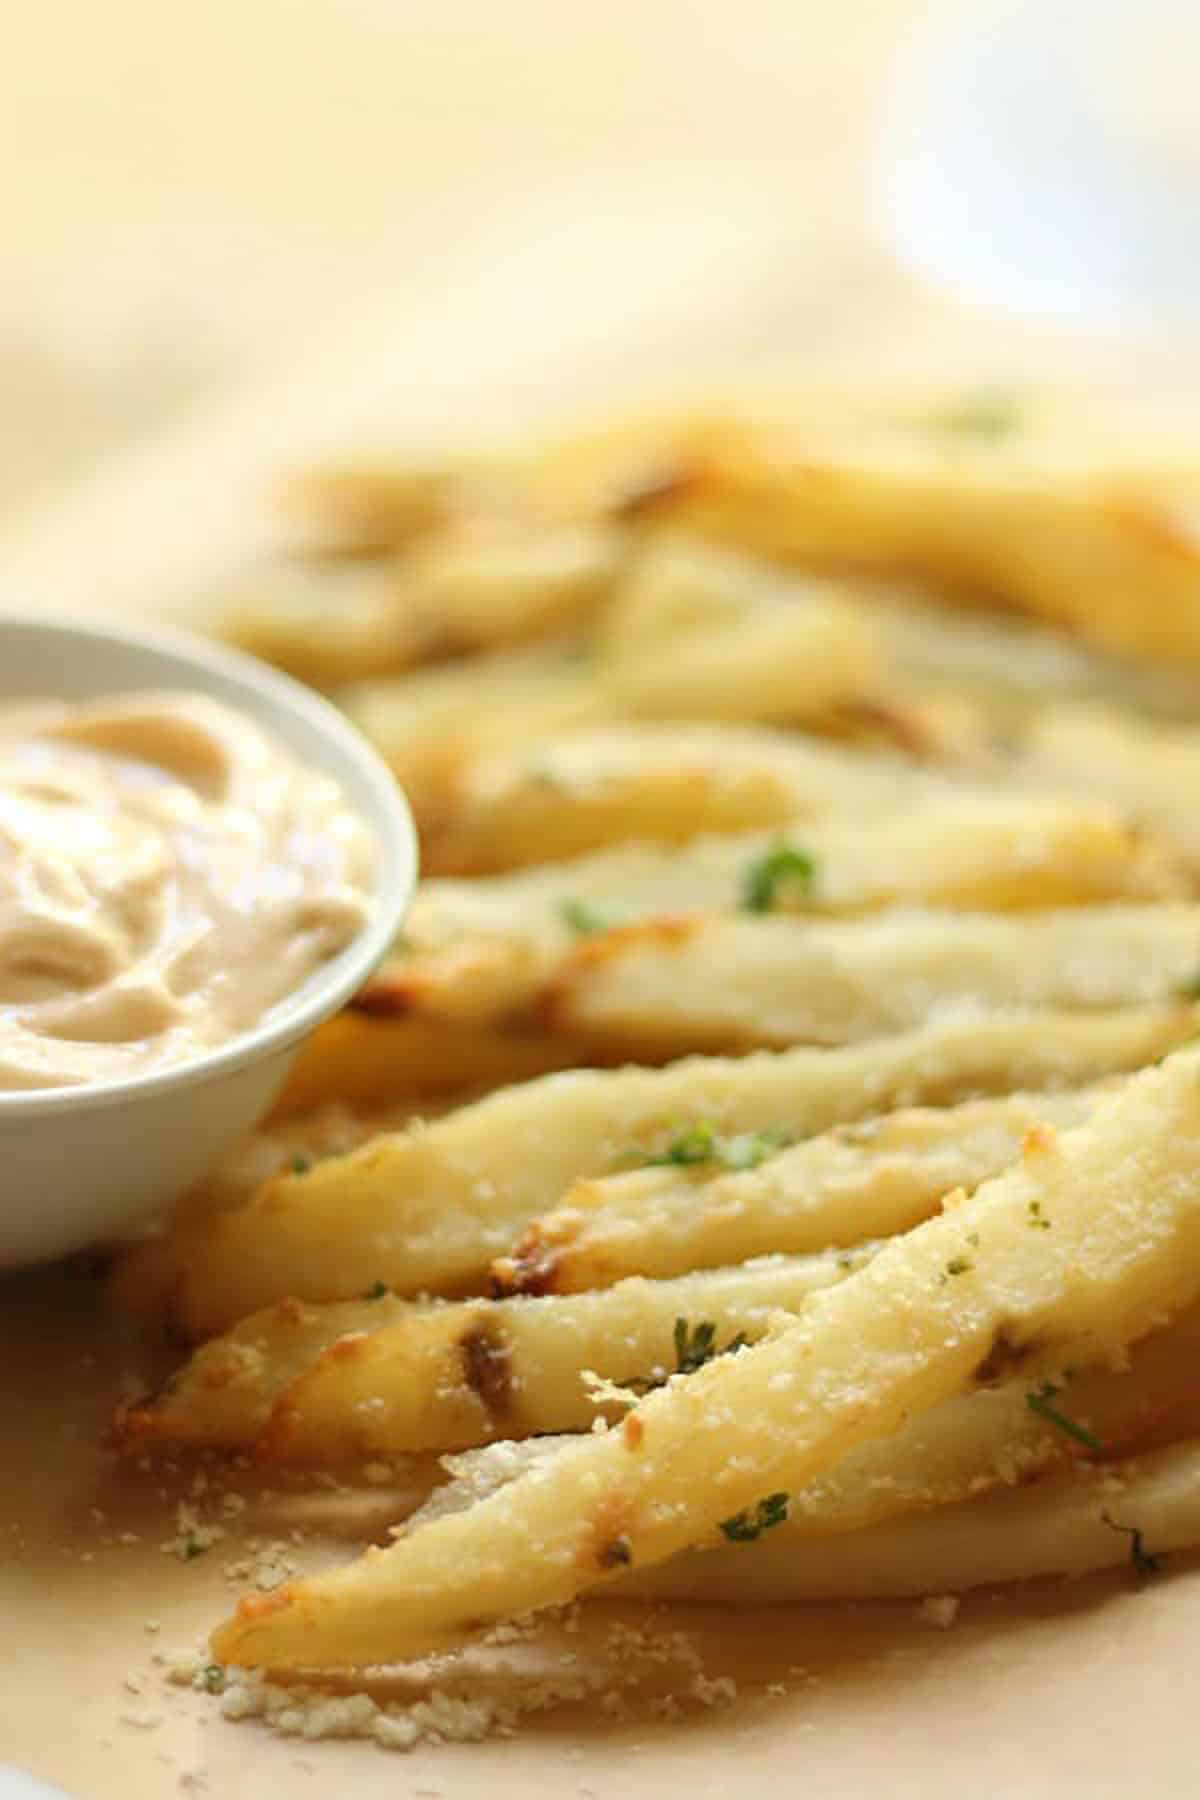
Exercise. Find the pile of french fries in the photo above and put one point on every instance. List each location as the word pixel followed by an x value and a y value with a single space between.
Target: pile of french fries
pixel 807 968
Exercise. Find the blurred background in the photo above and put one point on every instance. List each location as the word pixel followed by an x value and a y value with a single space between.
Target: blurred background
pixel 292 223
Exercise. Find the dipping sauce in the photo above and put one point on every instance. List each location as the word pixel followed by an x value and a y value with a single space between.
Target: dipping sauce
pixel 168 873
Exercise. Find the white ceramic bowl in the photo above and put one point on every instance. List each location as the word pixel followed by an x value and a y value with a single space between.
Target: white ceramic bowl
pixel 80 1165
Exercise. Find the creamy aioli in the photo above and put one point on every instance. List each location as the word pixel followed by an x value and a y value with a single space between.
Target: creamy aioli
pixel 168 873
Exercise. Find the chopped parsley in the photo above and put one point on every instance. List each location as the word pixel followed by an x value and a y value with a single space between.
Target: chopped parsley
pixel 744 1527
pixel 213 1679
pixel 1037 1221
pixel 377 1291
pixel 1144 1563
pixel 985 416
pixel 1190 989
pixel 1040 1402
pixel 702 1143
pixel 784 865
pixel 584 918
pixel 694 1346
pixel 300 1165
pixel 192 1547
pixel 959 1265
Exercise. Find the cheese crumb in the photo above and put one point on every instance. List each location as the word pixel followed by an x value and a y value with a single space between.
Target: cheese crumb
pixel 939 1609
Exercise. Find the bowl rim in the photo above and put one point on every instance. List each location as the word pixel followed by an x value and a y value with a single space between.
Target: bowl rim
pixel 390 821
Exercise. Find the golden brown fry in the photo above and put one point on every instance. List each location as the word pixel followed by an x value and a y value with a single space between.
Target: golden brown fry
pixel 432 723
pixel 951 1303
pixel 547 801
pixel 727 983
pixel 426 1210
pixel 989 1437
pixel 327 1383
pixel 325 622
pixel 1066 1524
pixel 857 1181
pixel 371 1056
pixel 1093 545
pixel 486 949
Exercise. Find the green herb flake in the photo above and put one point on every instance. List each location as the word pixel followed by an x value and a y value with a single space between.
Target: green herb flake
pixel 1036 1220
pixel 1144 1562
pixel 300 1165
pixel 783 866
pixel 1190 989
pixel 1040 1403
pixel 583 918
pixel 192 1548
pixel 213 1679
pixel 744 1527
pixel 987 416
pixel 959 1265
pixel 698 1144
pixel 377 1291
pixel 702 1143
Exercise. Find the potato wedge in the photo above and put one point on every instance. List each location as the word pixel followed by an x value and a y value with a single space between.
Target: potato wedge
pixel 328 1383
pixel 485 949
pixel 426 1210
pixel 1066 1524
pixel 961 1295
pixel 867 1180
pixel 721 984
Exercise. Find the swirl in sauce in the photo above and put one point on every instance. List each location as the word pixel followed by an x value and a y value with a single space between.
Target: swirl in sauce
pixel 168 873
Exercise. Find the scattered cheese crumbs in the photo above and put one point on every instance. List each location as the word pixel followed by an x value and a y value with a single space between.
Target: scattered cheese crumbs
pixel 192 1537
pixel 719 1690
pixel 466 1706
pixel 939 1609
pixel 377 1474
pixel 143 1718
pixel 233 1504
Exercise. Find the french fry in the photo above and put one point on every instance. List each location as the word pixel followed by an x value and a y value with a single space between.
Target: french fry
pixel 991 1437
pixel 431 723
pixel 495 582
pixel 956 1299
pixel 868 1180
pixel 370 504
pixel 426 1210
pixel 325 623
pixel 1098 547
pixel 548 801
pixel 369 1056
pixel 696 632
pixel 328 1383
pixel 720 984
pixel 1148 769
pixel 1013 667
pixel 418 1389
pixel 1129 1513
pixel 485 949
